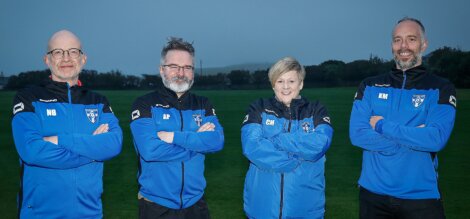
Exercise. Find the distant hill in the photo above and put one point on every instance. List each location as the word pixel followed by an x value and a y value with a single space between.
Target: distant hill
pixel 227 69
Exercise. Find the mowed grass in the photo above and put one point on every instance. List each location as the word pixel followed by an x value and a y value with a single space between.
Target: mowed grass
pixel 225 170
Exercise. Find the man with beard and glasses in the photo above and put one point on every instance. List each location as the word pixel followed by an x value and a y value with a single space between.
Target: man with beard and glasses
pixel 401 120
pixel 173 129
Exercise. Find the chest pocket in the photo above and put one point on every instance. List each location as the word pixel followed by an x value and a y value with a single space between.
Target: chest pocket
pixel 166 119
pixel 414 107
pixel 306 125
pixel 273 125
pixel 194 119
pixel 88 117
pixel 54 118
pixel 382 102
pixel 64 118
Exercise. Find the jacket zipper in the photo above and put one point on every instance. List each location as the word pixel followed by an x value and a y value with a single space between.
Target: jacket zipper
pixel 182 184
pixel 182 163
pixel 402 88
pixel 281 204
pixel 282 196
pixel 69 97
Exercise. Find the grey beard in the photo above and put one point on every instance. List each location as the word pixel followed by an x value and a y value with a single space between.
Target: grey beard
pixel 409 64
pixel 178 88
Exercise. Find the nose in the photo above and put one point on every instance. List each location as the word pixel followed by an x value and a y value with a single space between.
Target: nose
pixel 180 71
pixel 285 85
pixel 404 44
pixel 66 56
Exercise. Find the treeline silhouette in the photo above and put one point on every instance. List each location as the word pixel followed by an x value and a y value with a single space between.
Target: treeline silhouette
pixel 447 62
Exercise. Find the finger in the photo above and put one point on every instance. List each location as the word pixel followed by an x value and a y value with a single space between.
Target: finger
pixel 212 126
pixel 201 129
pixel 101 129
pixel 161 134
pixel 106 128
pixel 204 126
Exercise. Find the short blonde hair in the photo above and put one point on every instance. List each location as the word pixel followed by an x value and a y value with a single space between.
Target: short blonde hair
pixel 284 65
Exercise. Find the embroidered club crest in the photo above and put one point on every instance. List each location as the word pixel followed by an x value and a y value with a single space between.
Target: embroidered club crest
pixel 306 127
pixel 198 119
pixel 417 100
pixel 92 115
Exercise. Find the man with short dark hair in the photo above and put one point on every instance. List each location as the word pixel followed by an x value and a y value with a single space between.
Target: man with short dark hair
pixel 401 120
pixel 63 133
pixel 173 129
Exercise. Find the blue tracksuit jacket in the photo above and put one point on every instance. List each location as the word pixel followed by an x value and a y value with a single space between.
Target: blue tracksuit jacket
pixel 286 147
pixel 172 175
pixel 399 156
pixel 64 180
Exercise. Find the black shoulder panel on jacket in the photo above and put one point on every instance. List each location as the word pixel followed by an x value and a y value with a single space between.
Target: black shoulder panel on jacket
pixel 85 97
pixel 383 80
pixel 253 113
pixel 23 100
pixel 320 114
pixel 447 93
pixel 141 108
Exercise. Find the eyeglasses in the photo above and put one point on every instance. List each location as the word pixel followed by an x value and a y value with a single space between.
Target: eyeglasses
pixel 176 68
pixel 59 53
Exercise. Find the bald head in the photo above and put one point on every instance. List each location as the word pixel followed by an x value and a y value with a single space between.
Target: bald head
pixel 65 57
pixel 63 37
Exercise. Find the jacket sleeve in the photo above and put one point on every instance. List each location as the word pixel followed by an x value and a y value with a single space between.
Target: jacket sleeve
pixel 203 142
pixel 361 133
pixel 31 147
pixel 148 145
pixel 312 145
pixel 98 147
pixel 261 151
pixel 438 126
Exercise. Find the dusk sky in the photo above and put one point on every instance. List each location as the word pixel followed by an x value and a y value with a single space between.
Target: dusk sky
pixel 128 35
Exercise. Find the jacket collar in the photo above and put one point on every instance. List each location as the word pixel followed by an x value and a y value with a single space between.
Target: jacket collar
pixel 295 103
pixel 412 74
pixel 169 93
pixel 60 86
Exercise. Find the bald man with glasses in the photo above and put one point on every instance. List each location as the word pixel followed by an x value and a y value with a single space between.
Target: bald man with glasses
pixel 63 134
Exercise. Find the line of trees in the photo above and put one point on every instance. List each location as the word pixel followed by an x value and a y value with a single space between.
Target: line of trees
pixel 447 62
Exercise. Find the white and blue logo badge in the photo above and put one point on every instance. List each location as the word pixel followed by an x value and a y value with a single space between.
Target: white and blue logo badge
pixel 417 100
pixel 306 127
pixel 92 115
pixel 198 119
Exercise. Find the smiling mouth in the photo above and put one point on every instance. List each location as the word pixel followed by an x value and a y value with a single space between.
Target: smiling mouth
pixel 405 53
pixel 66 66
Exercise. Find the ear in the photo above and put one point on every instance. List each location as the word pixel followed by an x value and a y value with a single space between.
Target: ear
pixel 301 85
pixel 425 45
pixel 46 60
pixel 161 70
pixel 84 59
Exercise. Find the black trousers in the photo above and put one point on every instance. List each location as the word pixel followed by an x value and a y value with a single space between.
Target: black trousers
pixel 377 206
pixel 151 210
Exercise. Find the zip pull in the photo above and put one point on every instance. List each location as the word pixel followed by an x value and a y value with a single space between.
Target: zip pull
pixel 290 119
pixel 404 80
pixel 69 93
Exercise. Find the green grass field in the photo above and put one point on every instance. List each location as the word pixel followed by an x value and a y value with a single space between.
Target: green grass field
pixel 225 171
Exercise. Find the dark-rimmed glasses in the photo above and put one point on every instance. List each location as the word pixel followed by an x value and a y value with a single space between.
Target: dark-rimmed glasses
pixel 176 68
pixel 59 53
